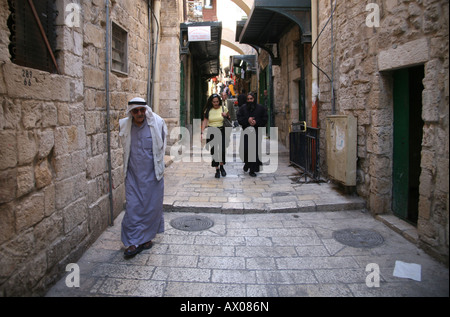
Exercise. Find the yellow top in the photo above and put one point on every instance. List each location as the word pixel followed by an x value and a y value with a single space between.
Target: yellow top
pixel 215 116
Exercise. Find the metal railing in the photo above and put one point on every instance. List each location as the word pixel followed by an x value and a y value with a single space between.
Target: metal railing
pixel 304 149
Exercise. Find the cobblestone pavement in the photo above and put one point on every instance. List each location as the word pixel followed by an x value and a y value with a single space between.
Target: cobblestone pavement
pixel 272 236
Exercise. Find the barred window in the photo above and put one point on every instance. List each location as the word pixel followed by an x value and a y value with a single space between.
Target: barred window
pixel 119 49
pixel 33 34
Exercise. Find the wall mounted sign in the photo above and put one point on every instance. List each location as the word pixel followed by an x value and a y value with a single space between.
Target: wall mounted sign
pixel 199 33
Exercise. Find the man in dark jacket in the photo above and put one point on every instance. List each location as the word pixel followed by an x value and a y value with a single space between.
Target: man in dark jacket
pixel 251 116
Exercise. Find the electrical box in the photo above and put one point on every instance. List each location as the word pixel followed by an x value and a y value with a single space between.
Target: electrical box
pixel 341 148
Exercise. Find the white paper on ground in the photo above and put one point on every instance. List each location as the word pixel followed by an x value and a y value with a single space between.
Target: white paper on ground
pixel 408 270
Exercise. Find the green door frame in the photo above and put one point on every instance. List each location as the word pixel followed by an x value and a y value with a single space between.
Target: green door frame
pixel 408 131
pixel 264 85
pixel 182 96
pixel 401 144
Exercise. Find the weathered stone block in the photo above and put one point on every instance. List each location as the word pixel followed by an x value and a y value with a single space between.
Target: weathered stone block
pixel 94 77
pixel 8 146
pixel 70 189
pixel 61 141
pixel 31 114
pixel 10 115
pixel 49 196
pixel 41 83
pixel 96 166
pixel 74 214
pixel 408 54
pixel 48 230
pixel 26 147
pixel 7 225
pixel 94 35
pixel 78 159
pixel 49 115
pixel 63 114
pixel 25 180
pixel 46 143
pixel 8 185
pixel 30 211
pixel 42 174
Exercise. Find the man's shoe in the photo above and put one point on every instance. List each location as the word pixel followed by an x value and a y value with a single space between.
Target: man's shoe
pixel 217 173
pixel 245 168
pixel 132 251
pixel 252 174
pixel 222 171
pixel 147 245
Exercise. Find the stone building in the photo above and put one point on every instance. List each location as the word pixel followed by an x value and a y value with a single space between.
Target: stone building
pixel 391 62
pixel 387 62
pixel 56 141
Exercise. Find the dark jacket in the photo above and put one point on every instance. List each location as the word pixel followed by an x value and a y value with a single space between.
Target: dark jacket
pixel 259 112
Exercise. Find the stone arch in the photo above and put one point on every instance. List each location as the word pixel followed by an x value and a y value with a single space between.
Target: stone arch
pixel 233 47
pixel 228 39
pixel 245 5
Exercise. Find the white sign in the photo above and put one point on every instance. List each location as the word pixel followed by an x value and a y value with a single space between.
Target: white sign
pixel 199 33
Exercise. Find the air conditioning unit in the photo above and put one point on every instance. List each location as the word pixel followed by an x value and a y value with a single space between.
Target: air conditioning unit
pixel 342 148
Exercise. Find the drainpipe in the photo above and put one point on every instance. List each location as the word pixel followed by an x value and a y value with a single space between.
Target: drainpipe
pixel 150 54
pixel 108 128
pixel 156 12
pixel 315 71
pixel 333 101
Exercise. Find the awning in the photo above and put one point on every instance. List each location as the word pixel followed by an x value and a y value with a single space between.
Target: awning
pixel 268 21
pixel 248 62
pixel 206 53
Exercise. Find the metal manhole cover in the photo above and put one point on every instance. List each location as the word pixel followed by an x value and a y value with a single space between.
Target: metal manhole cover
pixel 358 238
pixel 192 223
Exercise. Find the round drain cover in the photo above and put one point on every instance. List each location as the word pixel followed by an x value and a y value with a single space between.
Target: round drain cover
pixel 358 238
pixel 192 223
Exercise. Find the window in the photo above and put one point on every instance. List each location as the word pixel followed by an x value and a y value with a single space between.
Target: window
pixel 119 49
pixel 32 41
pixel 208 4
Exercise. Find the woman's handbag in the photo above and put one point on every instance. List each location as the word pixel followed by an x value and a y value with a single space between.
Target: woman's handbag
pixel 226 122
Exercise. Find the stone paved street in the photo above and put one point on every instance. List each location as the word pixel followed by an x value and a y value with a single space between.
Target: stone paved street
pixel 274 255
pixel 262 244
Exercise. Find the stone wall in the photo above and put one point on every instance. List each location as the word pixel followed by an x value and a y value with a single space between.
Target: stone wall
pixel 410 33
pixel 54 188
pixel 169 66
pixel 286 78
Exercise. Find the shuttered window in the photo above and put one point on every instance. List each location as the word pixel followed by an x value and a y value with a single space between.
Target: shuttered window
pixel 27 44
pixel 119 48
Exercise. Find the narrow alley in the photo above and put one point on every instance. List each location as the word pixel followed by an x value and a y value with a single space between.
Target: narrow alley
pixel 353 196
pixel 267 237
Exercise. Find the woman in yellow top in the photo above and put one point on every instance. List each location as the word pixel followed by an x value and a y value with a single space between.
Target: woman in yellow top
pixel 213 117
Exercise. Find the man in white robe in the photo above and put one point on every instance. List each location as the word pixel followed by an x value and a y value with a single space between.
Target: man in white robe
pixel 143 135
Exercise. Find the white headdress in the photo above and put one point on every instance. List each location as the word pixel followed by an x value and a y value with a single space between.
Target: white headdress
pixel 136 103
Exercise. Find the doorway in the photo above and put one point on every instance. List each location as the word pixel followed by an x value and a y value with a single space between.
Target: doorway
pixel 408 132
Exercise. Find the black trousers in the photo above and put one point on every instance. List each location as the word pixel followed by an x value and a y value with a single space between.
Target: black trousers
pixel 221 147
pixel 251 143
